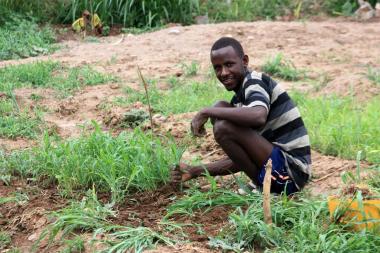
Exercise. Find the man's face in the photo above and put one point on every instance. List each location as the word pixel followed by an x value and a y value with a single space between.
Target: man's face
pixel 229 67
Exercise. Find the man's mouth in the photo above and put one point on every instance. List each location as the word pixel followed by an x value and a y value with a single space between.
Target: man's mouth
pixel 228 81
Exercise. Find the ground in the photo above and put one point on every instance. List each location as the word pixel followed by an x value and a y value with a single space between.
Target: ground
pixel 336 52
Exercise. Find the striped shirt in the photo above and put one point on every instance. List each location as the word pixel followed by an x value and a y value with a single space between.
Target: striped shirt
pixel 284 126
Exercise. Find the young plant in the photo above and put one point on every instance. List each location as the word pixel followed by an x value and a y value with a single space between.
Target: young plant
pixel 342 126
pixel 21 37
pixel 374 75
pixel 50 74
pixel 190 69
pixel 126 163
pixel 5 240
pixel 282 68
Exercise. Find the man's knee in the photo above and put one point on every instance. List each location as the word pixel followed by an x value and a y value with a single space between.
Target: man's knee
pixel 223 129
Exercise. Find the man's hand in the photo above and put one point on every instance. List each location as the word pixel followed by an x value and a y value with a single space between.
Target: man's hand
pixel 181 173
pixel 198 124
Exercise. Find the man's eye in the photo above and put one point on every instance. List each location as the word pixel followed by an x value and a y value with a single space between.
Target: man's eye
pixel 229 65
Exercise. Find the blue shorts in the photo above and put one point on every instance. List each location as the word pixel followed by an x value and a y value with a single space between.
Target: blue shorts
pixel 281 181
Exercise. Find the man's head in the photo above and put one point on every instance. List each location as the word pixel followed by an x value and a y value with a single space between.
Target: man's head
pixel 229 62
pixel 86 14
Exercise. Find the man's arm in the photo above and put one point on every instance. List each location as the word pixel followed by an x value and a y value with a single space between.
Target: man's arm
pixel 254 117
pixel 218 168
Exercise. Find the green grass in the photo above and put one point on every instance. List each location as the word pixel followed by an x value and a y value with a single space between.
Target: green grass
pixel 283 68
pixel 19 123
pixel 195 95
pixel 342 126
pixel 118 165
pixel 5 240
pixel 50 74
pixel 190 69
pixel 373 74
pixel 21 37
pixel 90 215
pixel 301 225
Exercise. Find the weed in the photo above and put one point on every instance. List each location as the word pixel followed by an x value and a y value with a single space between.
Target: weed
pixel 5 240
pixel 74 245
pixel 21 37
pixel 19 198
pixel 15 123
pixel 282 68
pixel 124 238
pixel 341 126
pixel 190 69
pixel 128 162
pixel 49 74
pixel 373 74
pixel 296 222
pixel 92 216
pixel 196 96
pixel 136 30
pixel 91 39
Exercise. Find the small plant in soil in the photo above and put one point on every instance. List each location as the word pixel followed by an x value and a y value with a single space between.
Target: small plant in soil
pixel 373 74
pixel 190 69
pixel 282 68
pixel 21 37
pixel 5 240
pixel 50 74
pixel 15 122
pixel 117 165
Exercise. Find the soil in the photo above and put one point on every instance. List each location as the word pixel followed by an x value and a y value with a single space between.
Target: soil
pixel 337 52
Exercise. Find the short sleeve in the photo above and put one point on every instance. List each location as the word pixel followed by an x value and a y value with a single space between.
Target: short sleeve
pixel 256 95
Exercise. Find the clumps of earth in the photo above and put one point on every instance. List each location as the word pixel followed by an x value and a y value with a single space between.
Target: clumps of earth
pixel 352 190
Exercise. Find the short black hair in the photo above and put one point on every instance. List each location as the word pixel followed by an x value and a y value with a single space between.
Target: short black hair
pixel 228 41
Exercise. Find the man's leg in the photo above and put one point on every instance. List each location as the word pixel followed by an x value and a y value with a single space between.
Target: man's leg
pixel 244 146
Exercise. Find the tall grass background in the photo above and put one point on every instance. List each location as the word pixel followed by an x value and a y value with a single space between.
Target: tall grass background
pixel 149 13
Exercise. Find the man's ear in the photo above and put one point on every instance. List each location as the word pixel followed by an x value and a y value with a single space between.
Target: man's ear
pixel 245 60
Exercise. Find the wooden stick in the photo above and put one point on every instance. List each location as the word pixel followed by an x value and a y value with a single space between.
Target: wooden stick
pixel 266 191
pixel 147 96
pixel 332 173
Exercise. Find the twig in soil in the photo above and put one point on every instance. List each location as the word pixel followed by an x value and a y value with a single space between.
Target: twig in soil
pixel 266 191
pixel 211 153
pixel 332 173
pixel 147 96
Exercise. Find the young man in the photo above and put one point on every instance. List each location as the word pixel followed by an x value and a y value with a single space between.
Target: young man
pixel 88 23
pixel 260 123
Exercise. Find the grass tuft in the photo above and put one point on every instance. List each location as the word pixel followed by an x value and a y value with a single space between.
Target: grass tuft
pixel 342 126
pixel 283 68
pixel 129 162
pixel 373 74
pixel 21 37
pixel 195 96
pixel 49 74
pixel 19 123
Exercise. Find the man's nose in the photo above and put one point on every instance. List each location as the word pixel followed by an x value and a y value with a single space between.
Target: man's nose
pixel 225 71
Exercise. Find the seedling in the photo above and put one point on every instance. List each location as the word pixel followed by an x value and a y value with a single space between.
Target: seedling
pixel 282 68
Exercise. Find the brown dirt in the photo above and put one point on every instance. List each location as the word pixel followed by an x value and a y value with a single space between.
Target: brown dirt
pixel 26 220
pixel 336 51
